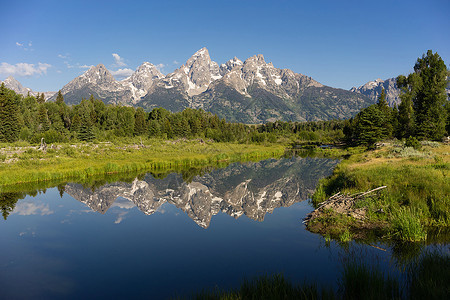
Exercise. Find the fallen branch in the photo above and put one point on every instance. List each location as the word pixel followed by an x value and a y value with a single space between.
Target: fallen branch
pixel 378 188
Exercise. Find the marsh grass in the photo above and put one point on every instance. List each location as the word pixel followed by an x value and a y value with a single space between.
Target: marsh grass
pixel 80 161
pixel 406 225
pixel 417 197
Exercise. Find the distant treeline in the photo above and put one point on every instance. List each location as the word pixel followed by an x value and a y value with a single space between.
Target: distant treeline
pixel 31 119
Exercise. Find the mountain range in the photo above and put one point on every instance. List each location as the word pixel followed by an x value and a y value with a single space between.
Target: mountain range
pixel 250 91
pixel 251 189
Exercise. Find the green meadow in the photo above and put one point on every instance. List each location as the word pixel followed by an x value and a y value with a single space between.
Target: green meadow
pixel 21 163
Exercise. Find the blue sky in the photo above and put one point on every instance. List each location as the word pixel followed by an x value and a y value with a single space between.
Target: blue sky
pixel 45 44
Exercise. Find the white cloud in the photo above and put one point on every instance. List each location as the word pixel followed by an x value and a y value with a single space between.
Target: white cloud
pixel 24 47
pixel 24 69
pixel 119 60
pixel 160 67
pixel 31 208
pixel 123 203
pixel 85 66
pixel 77 65
pixel 122 73
pixel 120 217
pixel 175 62
pixel 62 56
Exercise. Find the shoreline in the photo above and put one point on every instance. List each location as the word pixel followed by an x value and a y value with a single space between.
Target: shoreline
pixel 414 199
pixel 84 160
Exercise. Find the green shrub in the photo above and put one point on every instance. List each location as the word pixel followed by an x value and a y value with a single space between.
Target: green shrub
pixel 413 142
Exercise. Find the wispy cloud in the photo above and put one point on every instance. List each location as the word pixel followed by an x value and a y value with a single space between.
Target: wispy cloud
pixel 123 203
pixel 85 66
pixel 63 56
pixel 160 67
pixel 24 69
pixel 25 47
pixel 76 66
pixel 122 73
pixel 120 217
pixel 175 62
pixel 119 62
pixel 31 208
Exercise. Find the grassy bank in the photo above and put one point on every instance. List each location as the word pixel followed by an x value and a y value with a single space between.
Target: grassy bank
pixel 23 163
pixel 416 200
pixel 424 278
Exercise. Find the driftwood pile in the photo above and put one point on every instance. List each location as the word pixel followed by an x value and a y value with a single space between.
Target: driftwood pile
pixel 342 204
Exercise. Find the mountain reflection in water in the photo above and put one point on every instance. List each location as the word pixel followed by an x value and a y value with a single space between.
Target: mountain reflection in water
pixel 253 189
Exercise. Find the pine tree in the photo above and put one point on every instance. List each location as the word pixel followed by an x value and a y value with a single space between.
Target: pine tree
pixel 85 131
pixel 59 98
pixel 140 123
pixel 154 128
pixel 9 115
pixel 406 122
pixel 368 126
pixel 386 115
pixel 426 89
pixel 40 98
pixel 43 120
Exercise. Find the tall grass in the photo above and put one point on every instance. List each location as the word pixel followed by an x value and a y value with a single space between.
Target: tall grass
pixel 417 197
pixel 406 225
pixel 80 161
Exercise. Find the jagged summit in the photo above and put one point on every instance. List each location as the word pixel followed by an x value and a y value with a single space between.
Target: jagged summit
pixel 193 77
pixel 98 74
pixel 13 84
pixel 373 89
pixel 250 91
pixel 142 80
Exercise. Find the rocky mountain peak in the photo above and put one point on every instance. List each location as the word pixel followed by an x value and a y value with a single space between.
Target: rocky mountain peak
pixel 143 77
pixel 373 89
pixel 98 74
pixel 200 55
pixel 195 76
pixel 13 84
pixel 229 65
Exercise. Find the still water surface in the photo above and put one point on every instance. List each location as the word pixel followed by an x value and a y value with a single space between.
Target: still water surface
pixel 159 238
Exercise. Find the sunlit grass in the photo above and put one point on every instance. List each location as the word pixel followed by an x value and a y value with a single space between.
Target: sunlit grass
pixel 80 161
pixel 417 196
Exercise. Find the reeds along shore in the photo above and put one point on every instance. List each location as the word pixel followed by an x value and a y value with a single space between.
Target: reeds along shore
pixel 79 161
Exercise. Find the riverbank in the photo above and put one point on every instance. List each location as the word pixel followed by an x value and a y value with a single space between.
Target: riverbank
pixel 416 199
pixel 22 163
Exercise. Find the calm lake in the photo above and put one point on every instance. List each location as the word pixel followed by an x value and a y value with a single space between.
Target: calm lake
pixel 157 238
